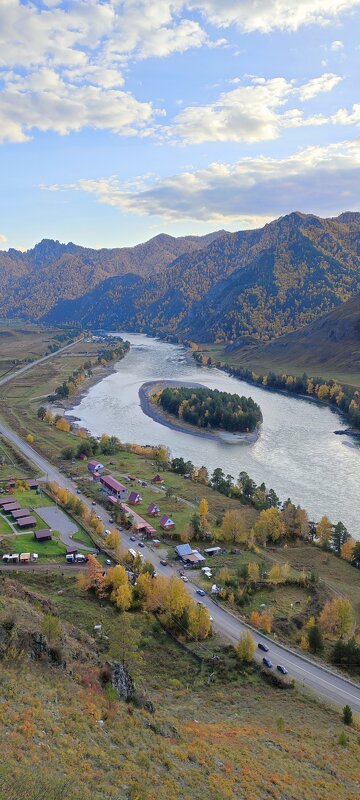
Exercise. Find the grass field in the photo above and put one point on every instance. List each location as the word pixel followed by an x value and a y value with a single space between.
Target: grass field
pixel 26 542
pixel 22 342
pixel 228 738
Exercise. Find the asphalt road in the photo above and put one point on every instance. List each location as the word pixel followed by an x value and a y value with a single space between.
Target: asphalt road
pixel 328 684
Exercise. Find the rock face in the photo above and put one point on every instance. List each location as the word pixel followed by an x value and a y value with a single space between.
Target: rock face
pixel 121 680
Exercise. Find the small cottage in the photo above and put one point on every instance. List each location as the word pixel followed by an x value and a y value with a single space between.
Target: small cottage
pixel 134 499
pixel 43 535
pixel 153 510
pixel 157 479
pixel 167 523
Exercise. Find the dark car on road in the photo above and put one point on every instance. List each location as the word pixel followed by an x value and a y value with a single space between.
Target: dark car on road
pixel 282 669
pixel 200 592
pixel 263 647
pixel 163 562
pixel 141 544
pixel 267 662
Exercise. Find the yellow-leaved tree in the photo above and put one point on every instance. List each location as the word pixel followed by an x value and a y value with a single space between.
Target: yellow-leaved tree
pixel 246 648
pixel 269 526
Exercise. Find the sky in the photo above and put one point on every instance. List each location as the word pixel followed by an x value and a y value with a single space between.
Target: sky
pixel 121 119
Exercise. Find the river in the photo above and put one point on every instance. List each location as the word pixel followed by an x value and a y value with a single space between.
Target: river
pixel 297 453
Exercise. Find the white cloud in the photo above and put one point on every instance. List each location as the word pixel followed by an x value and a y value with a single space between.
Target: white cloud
pixel 337 45
pixel 3 238
pixel 267 15
pixel 323 180
pixel 250 113
pixel 324 83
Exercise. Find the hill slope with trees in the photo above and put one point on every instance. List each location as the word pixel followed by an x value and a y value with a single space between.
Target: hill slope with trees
pixel 250 286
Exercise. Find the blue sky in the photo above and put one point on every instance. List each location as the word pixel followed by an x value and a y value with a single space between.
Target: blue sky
pixel 119 120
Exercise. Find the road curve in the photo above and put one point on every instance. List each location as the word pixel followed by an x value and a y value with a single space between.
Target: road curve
pixel 328 684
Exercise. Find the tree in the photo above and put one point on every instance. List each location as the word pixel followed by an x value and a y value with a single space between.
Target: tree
pixel 233 527
pixel 202 476
pixel 355 558
pixel 114 539
pixel 41 412
pixel 63 425
pixel 246 648
pixel 315 639
pixel 347 549
pixel 269 526
pixel 198 622
pixel 117 582
pixel 275 575
pixel 30 438
pixel 337 617
pixel 94 580
pixel 253 571
pixel 339 537
pixel 347 715
pixel 324 530
pixel 203 507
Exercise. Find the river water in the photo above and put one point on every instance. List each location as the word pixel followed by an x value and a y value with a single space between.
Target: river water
pixel 297 453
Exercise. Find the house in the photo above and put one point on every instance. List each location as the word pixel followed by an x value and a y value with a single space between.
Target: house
pixel 9 498
pixel 140 524
pixel 212 551
pixel 26 522
pixel 113 487
pixel 13 506
pixel 153 510
pixel 134 499
pixel 95 466
pixel 183 550
pixel 43 535
pixel 33 484
pixel 167 523
pixel 157 479
pixel 20 512
pixel 188 555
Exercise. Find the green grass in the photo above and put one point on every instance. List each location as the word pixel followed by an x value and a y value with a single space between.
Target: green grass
pixel 83 537
pixel 26 542
pixel 4 526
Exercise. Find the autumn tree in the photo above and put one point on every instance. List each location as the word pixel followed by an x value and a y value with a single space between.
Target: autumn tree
pixel 117 582
pixel 347 549
pixel 94 579
pixel 30 438
pixel 246 648
pixel 324 531
pixel 233 527
pixel 199 623
pixel 269 526
pixel 113 540
pixel 337 617
pixel 253 571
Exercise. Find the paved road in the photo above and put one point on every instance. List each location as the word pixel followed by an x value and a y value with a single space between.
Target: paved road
pixel 326 683
pixel 11 375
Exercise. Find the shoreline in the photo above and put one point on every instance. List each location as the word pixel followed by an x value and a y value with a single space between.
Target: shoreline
pixel 158 415
pixel 70 403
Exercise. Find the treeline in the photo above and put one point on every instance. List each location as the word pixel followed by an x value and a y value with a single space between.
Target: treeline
pixel 69 386
pixel 166 597
pixel 341 397
pixel 210 408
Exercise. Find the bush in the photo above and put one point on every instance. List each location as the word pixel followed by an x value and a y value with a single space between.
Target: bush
pixel 347 715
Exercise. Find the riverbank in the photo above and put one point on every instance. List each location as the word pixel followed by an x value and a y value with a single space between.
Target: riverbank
pixel 155 412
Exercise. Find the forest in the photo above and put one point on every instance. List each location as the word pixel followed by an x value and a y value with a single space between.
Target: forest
pixel 210 408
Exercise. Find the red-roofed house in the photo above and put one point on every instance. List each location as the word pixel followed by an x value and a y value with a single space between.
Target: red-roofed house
pixel 157 479
pixel 95 466
pixel 33 484
pixel 26 522
pixel 20 512
pixel 167 523
pixel 153 510
pixel 13 506
pixel 134 499
pixel 113 487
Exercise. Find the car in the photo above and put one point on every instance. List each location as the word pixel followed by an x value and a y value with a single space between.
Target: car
pixel 282 669
pixel 163 562
pixel 132 538
pixel 78 491
pixel 267 662
pixel 263 646
pixel 98 516
pixel 107 532
pixel 93 502
pixel 141 544
pixel 200 592
pixel 108 562
pixel 111 520
pixel 184 578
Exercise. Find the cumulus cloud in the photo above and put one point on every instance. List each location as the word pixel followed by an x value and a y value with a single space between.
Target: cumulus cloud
pixel 267 15
pixel 250 113
pixel 337 45
pixel 320 179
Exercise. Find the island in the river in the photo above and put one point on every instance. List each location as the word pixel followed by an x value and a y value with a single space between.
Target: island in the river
pixel 200 411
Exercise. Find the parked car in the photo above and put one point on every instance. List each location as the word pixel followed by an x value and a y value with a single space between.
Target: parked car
pixel 200 592
pixel 282 669
pixel 132 538
pixel 111 520
pixel 108 562
pixel 184 578
pixel 93 503
pixel 267 662
pixel 263 646
pixel 163 562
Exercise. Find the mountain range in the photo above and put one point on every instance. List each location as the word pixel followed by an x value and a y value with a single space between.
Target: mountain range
pixel 245 287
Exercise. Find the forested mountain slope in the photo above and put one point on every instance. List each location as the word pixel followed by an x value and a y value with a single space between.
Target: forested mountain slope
pixel 255 285
pixel 31 283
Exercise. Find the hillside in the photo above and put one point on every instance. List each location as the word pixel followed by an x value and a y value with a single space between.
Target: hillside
pixel 255 285
pixel 328 347
pixel 214 730
pixel 31 283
